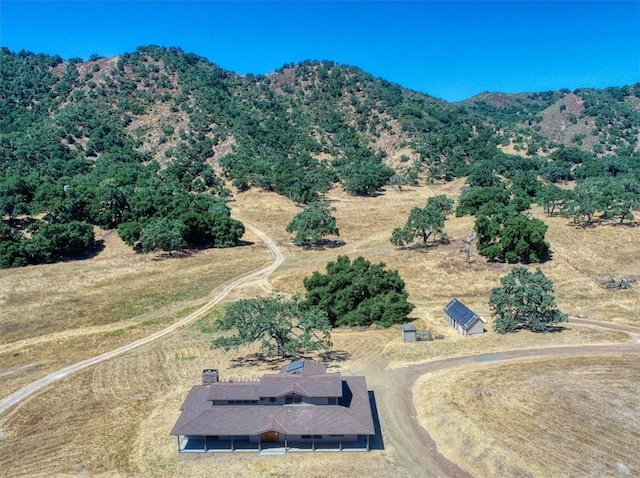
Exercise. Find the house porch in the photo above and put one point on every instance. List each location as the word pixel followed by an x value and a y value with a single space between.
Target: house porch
pixel 200 444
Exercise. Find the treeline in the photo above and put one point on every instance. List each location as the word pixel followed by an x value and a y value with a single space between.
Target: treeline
pixel 74 163
pixel 500 192
pixel 156 134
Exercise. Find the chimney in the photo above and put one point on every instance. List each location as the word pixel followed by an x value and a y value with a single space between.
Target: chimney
pixel 209 376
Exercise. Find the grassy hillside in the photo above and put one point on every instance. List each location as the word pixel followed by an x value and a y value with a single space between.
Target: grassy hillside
pixel 127 142
pixel 163 134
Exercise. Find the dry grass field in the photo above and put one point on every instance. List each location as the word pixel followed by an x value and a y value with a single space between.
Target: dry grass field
pixel 113 419
pixel 570 417
pixel 54 315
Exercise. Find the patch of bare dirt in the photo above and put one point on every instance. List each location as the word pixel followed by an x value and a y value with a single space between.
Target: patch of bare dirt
pixel 565 122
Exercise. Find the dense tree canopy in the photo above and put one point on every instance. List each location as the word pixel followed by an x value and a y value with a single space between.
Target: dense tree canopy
pixel 154 134
pixel 280 324
pixel 525 301
pixel 44 242
pixel 425 222
pixel 312 224
pixel 358 293
pixel 511 237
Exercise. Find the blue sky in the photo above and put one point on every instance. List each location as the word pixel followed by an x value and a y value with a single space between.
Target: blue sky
pixel 451 50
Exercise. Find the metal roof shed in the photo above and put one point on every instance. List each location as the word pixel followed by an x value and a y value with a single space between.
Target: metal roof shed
pixel 463 319
pixel 409 333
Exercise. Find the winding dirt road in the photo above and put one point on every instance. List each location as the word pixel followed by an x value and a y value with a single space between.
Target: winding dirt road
pixel 415 448
pixel 261 275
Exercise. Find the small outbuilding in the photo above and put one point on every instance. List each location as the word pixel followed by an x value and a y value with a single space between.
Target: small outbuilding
pixel 463 319
pixel 409 333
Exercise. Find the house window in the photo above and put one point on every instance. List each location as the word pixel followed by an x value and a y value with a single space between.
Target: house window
pixel 293 399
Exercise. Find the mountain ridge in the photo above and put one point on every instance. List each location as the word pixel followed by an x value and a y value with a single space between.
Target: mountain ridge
pixel 107 128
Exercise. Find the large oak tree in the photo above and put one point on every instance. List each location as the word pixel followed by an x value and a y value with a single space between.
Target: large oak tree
pixel 280 325
pixel 525 301
pixel 358 293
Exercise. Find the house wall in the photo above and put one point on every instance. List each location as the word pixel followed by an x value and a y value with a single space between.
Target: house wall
pixel 409 335
pixel 477 328
pixel 305 400
pixel 449 320
pixel 230 443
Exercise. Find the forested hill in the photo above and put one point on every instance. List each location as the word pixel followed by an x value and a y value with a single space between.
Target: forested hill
pixel 160 134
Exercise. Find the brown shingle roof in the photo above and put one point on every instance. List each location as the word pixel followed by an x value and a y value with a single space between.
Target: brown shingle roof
pixel 351 416
pixel 279 385
pixel 304 367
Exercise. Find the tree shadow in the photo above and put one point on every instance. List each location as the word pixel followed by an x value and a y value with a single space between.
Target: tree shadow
pixel 164 256
pixel 244 243
pixel 20 222
pixel 549 329
pixel 259 359
pixel 98 247
pixel 335 356
pixel 325 244
pixel 555 329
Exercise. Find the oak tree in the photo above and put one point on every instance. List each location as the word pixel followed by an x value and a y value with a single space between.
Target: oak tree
pixel 525 301
pixel 279 324
pixel 358 293
pixel 312 224
pixel 424 223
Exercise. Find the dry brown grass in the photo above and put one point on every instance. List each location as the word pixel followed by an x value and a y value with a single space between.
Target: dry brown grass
pixel 555 417
pixel 55 315
pixel 114 419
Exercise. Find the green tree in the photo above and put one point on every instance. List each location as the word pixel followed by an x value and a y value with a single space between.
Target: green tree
pixel 424 222
pixel 49 242
pixel 625 192
pixel 130 232
pixel 280 324
pixel 552 197
pixel 481 174
pixel 475 198
pixel 312 224
pixel 164 234
pixel 588 199
pixel 358 293
pixel 511 237
pixel 525 301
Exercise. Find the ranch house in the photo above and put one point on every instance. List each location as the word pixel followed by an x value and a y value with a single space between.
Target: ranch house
pixel 300 408
pixel 463 319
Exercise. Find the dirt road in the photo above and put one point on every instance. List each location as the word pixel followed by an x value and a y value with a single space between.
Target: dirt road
pixel 415 451
pixel 260 275
pixel 394 398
